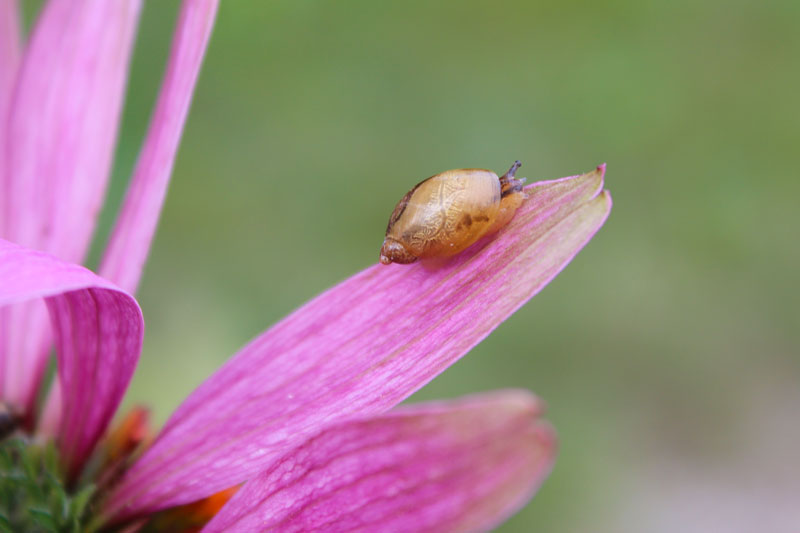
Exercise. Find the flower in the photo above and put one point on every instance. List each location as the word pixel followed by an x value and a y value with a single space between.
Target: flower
pixel 301 426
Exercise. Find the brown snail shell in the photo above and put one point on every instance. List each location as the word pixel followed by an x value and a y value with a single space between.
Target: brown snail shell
pixel 448 212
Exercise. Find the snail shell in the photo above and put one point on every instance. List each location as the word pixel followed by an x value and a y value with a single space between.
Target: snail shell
pixel 448 212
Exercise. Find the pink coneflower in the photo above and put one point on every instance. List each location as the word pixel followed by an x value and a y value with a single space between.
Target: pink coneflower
pixel 299 431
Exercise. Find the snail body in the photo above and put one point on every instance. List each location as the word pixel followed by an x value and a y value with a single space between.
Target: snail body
pixel 448 212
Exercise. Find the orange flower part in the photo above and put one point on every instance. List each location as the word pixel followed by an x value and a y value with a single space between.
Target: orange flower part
pixel 191 517
pixel 128 435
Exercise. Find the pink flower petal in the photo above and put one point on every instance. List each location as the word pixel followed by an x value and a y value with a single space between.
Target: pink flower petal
pixel 10 46
pixel 359 348
pixel 63 123
pixel 62 127
pixel 98 330
pixel 130 241
pixel 9 62
pixel 457 466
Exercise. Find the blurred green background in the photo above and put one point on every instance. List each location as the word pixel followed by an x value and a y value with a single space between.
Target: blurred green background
pixel 667 351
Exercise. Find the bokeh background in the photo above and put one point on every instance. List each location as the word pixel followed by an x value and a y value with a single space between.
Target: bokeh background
pixel 668 351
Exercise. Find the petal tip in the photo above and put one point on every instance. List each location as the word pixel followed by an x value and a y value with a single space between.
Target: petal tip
pixel 597 175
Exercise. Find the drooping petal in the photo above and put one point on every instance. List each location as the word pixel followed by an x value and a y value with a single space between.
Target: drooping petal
pixel 9 63
pixel 359 348
pixel 63 123
pixel 98 332
pixel 62 128
pixel 459 466
pixel 10 48
pixel 130 241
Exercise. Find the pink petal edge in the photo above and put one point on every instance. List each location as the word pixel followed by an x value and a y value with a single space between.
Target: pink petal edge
pixel 61 133
pixel 463 465
pixel 358 349
pixel 98 331
pixel 133 232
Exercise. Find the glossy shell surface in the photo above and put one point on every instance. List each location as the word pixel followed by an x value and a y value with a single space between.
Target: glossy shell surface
pixel 448 212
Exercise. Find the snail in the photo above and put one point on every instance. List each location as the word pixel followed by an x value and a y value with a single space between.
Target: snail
pixel 448 212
